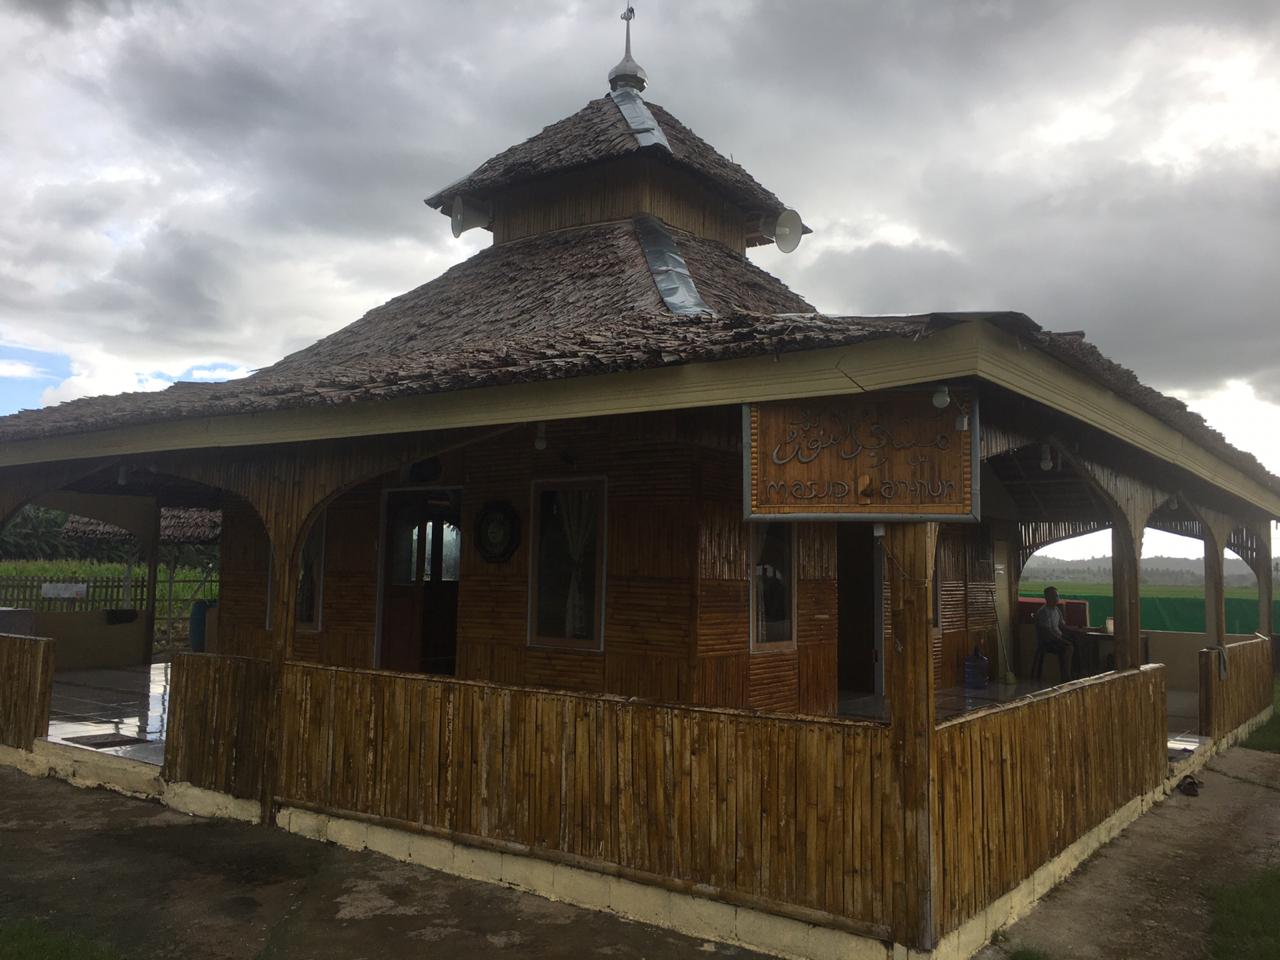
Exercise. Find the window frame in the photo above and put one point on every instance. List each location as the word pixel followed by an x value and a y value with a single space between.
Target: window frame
pixel 537 488
pixel 757 534
pixel 315 626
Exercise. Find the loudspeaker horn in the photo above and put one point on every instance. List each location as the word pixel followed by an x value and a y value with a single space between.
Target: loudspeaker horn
pixel 466 215
pixel 786 229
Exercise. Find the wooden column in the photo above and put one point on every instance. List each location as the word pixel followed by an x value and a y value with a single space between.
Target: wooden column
pixel 1266 586
pixel 151 554
pixel 1252 542
pixel 1132 501
pixel 909 557
pixel 1215 529
pixel 286 547
pixel 1126 565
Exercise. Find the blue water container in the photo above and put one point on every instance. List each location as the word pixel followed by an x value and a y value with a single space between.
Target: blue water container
pixel 976 670
pixel 195 629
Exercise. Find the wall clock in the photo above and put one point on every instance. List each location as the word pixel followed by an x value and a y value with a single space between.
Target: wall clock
pixel 497 531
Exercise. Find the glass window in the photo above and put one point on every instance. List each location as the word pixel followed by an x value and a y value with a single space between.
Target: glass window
pixel 403 533
pixel 773 584
pixel 569 525
pixel 452 551
pixel 311 576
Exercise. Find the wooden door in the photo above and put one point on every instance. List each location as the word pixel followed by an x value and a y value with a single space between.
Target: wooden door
pixel 421 566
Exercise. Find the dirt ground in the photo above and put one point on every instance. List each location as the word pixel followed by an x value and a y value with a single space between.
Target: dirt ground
pixel 1144 894
pixel 158 884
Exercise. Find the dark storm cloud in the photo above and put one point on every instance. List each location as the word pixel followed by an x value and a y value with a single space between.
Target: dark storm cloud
pixel 61 13
pixel 239 178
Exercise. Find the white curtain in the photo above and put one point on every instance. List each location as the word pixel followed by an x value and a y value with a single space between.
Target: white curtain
pixel 578 514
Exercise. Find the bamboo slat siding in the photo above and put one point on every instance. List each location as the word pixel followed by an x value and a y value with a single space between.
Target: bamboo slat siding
pixel 1018 784
pixel 794 814
pixel 217 723
pixel 26 688
pixel 1245 692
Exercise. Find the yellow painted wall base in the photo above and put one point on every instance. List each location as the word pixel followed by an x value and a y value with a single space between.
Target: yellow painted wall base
pixel 84 640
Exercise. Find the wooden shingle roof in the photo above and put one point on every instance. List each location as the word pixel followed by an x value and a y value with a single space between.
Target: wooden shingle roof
pixel 598 132
pixel 188 526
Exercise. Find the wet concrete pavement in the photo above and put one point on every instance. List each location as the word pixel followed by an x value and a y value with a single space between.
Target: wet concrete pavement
pixel 1147 893
pixel 157 884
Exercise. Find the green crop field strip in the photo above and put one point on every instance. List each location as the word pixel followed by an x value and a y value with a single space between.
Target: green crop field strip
pixel 1035 588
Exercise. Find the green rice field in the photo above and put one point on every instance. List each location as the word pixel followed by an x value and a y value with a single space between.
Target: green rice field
pixel 1163 607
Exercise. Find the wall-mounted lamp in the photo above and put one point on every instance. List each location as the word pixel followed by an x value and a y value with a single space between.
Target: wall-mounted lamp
pixel 540 438
pixel 942 397
pixel 1046 457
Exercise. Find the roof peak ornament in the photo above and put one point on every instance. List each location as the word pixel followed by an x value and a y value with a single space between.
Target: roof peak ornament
pixel 628 73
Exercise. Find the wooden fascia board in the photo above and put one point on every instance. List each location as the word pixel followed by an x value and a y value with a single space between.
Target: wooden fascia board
pixel 1022 368
pixel 976 348
pixel 872 365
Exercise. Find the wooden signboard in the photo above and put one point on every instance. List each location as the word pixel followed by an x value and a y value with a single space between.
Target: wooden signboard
pixel 889 456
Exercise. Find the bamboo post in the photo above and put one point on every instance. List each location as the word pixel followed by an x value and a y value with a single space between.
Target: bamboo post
pixel 1126 558
pixel 286 546
pixel 151 550
pixel 909 554
pixel 1215 530
pixel 173 563
pixel 1262 570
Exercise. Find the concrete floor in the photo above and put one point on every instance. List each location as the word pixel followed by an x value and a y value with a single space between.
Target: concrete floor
pixel 130 701
pixel 157 884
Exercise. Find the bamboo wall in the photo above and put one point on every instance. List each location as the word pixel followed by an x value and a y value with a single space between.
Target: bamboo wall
pixel 344 636
pixel 1017 784
pixel 676 586
pixel 616 191
pixel 728 672
pixel 244 570
pixel 1247 690
pixel 967 600
pixel 763 809
pixel 26 689
pixel 217 729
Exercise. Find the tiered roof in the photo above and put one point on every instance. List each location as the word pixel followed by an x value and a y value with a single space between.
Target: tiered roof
pixel 597 133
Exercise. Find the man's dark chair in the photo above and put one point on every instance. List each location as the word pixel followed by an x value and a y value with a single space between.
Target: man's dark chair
pixel 1057 648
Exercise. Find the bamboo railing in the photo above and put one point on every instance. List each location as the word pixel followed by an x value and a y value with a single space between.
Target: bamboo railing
pixel 1018 783
pixel 26 689
pixel 217 723
pixel 101 593
pixel 795 816
pixel 1246 690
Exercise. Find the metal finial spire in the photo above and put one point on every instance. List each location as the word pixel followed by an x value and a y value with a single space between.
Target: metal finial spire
pixel 628 73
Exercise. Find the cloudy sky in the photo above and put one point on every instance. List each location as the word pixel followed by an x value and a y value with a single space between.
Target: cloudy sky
pixel 192 189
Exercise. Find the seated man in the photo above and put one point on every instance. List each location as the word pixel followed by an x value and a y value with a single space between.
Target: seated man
pixel 1054 636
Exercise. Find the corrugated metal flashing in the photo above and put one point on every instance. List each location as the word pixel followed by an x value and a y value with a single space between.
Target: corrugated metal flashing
pixel 636 112
pixel 670 272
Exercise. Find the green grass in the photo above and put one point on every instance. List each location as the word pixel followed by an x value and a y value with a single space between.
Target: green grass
pixel 1026 953
pixel 27 940
pixel 1246 923
pixel 1267 736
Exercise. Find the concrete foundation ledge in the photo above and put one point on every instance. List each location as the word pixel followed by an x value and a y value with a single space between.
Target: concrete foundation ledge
pixel 689 914
pixel 87 768
pixel 199 802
